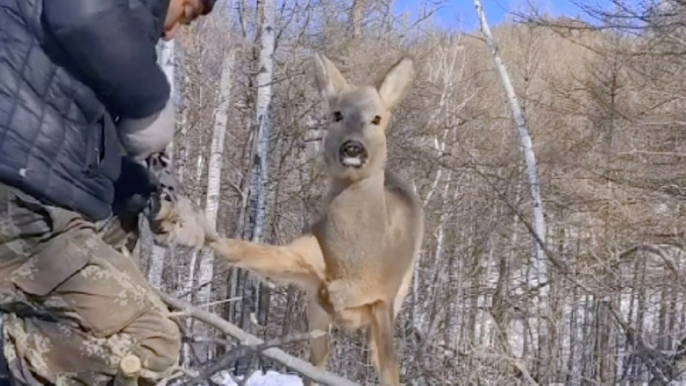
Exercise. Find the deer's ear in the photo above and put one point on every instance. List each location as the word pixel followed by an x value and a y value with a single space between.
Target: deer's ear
pixel 396 82
pixel 329 80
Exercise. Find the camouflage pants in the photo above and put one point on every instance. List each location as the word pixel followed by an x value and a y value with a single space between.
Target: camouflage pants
pixel 73 306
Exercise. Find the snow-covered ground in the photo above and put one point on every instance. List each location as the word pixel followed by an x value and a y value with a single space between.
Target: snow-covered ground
pixel 271 378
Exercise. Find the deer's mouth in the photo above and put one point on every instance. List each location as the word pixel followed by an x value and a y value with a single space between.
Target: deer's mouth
pixel 353 154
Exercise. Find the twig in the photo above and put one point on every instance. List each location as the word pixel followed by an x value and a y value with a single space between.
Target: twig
pixel 222 342
pixel 217 302
pixel 195 289
pixel 302 367
pixel 177 372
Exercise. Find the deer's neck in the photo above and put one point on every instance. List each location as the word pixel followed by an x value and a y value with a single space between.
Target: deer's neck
pixel 368 190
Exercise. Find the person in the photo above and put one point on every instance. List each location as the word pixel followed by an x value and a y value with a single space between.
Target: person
pixel 84 108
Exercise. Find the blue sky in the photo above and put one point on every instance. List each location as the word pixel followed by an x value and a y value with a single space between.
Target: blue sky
pixel 461 14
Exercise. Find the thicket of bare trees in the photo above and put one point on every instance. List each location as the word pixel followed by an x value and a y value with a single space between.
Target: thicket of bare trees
pixel 606 112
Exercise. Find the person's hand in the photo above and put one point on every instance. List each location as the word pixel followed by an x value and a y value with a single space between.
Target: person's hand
pixel 173 217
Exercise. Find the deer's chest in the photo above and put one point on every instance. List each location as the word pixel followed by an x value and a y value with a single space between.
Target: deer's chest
pixel 352 233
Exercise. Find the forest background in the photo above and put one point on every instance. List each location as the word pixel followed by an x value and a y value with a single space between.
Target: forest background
pixel 601 84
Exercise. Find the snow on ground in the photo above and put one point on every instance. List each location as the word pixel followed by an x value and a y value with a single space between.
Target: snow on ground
pixel 271 378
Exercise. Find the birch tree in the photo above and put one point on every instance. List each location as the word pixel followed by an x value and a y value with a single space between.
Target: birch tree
pixel 214 174
pixel 260 168
pixel 167 62
pixel 259 179
pixel 539 228
pixel 214 171
pixel 526 146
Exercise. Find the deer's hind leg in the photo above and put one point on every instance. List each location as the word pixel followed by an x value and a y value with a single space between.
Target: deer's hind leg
pixel 318 319
pixel 382 335
pixel 373 350
pixel 299 262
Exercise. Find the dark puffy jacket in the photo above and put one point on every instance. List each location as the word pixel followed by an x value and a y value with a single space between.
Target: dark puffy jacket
pixel 68 68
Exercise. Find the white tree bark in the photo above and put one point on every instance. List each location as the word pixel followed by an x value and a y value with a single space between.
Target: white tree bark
pixel 157 253
pixel 259 178
pixel 214 172
pixel 442 68
pixel 260 175
pixel 181 165
pixel 188 287
pixel 526 146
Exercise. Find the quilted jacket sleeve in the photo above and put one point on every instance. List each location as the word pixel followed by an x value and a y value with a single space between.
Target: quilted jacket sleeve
pixel 112 51
pixel 145 136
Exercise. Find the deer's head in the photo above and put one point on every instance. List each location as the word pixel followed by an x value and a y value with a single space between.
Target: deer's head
pixel 355 144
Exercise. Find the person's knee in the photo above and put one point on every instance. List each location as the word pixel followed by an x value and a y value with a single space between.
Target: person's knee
pixel 158 341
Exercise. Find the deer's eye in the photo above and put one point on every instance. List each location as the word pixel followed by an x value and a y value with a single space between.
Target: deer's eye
pixel 376 120
pixel 337 116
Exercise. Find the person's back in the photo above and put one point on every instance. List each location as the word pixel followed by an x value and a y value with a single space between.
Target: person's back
pixel 70 69
pixel 67 68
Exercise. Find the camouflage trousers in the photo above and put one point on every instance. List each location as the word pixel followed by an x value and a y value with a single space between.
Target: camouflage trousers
pixel 73 305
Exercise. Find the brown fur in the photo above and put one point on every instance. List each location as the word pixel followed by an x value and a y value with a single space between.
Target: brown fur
pixel 357 260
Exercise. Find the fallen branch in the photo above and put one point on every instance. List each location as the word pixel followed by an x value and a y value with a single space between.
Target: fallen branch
pixel 242 351
pixel 300 366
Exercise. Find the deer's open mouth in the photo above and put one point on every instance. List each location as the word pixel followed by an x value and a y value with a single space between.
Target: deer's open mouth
pixel 353 154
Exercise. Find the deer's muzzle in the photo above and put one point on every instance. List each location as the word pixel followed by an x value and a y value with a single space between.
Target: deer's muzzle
pixel 353 154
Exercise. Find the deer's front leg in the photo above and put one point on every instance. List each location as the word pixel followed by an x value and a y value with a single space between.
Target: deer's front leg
pixel 299 262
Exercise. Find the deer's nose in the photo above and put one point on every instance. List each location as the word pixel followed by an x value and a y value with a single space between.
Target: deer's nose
pixel 352 148
pixel 353 154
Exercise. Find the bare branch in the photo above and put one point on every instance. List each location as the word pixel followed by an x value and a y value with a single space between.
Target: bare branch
pixel 293 363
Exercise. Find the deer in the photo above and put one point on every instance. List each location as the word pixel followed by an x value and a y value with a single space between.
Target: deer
pixel 356 261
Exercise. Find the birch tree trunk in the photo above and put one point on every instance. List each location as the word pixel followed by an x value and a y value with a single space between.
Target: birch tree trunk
pixel 526 146
pixel 157 253
pixel 257 209
pixel 188 288
pixel 214 172
pixel 260 169
pixel 441 69
pixel 540 274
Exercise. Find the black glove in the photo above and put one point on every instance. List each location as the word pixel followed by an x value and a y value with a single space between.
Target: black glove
pixel 133 189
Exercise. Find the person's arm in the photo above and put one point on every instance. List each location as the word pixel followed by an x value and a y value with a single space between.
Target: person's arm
pixel 146 136
pixel 112 51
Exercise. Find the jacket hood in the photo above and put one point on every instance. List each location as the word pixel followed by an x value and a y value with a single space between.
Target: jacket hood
pixel 151 14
